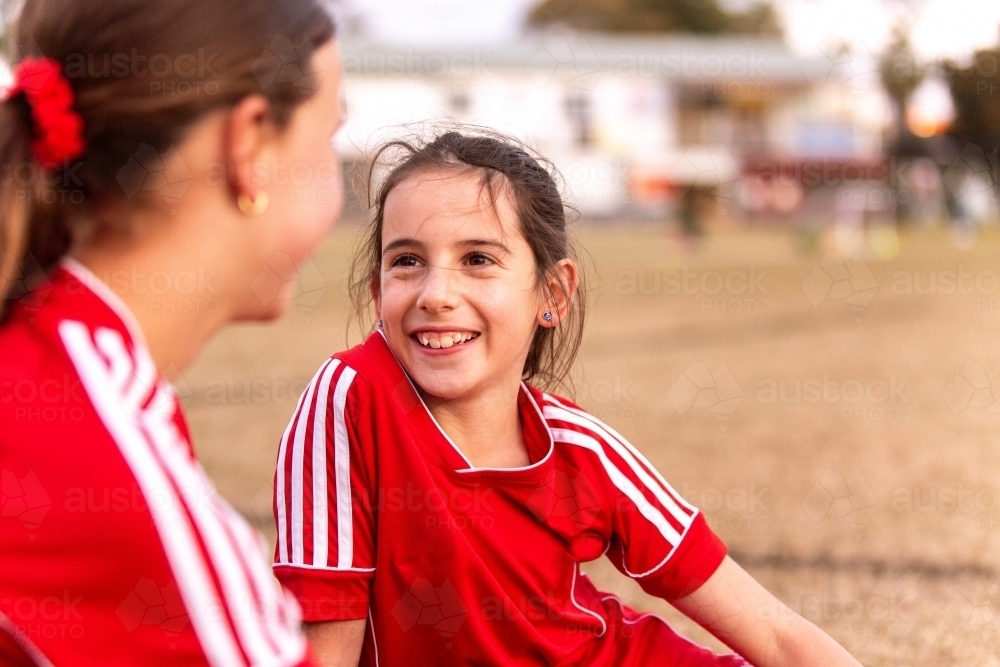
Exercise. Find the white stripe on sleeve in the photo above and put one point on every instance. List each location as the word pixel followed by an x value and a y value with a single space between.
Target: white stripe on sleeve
pixel 279 477
pixel 620 438
pixel 175 531
pixel 623 483
pixel 683 516
pixel 345 519
pixel 204 506
pixel 298 463
pixel 319 479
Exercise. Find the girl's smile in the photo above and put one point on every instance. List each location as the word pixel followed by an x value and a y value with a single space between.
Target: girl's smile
pixel 443 341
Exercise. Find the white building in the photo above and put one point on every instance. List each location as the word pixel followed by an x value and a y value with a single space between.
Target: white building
pixel 630 122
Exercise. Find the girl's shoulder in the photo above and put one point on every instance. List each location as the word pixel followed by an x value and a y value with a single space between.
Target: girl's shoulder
pixel 371 360
pixel 564 418
pixel 549 401
pixel 361 380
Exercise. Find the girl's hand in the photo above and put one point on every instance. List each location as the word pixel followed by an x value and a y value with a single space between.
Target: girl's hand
pixel 336 643
pixel 747 618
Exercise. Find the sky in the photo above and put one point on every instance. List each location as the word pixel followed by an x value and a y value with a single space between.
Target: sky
pixel 941 28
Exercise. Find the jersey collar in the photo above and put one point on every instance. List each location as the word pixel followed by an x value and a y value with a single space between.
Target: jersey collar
pixel 537 435
pixel 100 289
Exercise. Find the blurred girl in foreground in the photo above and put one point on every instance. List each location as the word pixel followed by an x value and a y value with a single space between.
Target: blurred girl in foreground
pixel 141 210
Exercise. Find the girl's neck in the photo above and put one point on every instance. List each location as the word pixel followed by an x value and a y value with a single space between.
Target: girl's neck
pixel 486 426
pixel 177 298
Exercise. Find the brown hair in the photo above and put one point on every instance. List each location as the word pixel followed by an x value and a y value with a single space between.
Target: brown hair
pixel 509 169
pixel 141 73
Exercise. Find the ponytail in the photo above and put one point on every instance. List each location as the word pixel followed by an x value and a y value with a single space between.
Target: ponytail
pixel 15 155
pixel 58 170
pixel 42 133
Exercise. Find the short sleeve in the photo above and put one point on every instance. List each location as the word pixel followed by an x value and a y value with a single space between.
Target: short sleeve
pixel 659 539
pixel 655 536
pixel 686 566
pixel 324 499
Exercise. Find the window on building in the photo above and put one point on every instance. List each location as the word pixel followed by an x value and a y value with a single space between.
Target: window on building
pixel 458 101
pixel 578 110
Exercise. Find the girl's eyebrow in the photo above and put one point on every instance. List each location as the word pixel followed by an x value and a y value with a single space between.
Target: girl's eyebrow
pixel 480 243
pixel 400 243
pixel 476 243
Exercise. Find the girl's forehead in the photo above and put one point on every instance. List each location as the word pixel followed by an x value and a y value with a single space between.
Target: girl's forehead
pixel 447 202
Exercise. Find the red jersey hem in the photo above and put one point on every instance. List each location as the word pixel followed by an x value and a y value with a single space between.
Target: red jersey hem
pixel 327 595
pixel 696 559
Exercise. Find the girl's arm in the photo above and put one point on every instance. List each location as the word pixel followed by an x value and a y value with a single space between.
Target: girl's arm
pixel 336 643
pixel 747 618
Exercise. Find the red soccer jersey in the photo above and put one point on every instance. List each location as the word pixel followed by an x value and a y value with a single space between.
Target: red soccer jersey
pixel 380 516
pixel 114 547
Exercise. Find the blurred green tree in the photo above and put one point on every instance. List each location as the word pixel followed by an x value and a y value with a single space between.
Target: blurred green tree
pixel 975 90
pixel 7 9
pixel 705 17
pixel 900 72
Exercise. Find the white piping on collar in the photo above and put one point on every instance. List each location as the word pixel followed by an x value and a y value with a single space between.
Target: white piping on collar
pixel 451 442
pixel 108 296
pixel 536 464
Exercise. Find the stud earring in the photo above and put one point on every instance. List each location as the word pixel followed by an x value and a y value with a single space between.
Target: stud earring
pixel 253 207
pixel 380 324
pixel 547 316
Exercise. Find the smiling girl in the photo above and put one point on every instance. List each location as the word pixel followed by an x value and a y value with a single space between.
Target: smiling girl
pixel 434 504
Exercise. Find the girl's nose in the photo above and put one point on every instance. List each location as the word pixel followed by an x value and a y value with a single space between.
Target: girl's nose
pixel 437 293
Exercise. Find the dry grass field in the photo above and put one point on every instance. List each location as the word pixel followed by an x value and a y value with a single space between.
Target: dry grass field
pixel 838 422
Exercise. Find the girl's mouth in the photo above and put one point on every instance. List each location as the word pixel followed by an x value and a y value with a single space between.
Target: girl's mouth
pixel 437 340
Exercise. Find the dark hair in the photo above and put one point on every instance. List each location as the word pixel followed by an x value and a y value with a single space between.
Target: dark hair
pixel 508 169
pixel 141 73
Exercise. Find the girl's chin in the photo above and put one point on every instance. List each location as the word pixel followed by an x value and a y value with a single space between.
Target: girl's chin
pixel 433 387
pixel 269 314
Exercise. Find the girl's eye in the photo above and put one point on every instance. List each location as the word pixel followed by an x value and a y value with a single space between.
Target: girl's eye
pixel 479 259
pixel 405 260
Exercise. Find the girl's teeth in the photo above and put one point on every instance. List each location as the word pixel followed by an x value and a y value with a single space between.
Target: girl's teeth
pixel 445 341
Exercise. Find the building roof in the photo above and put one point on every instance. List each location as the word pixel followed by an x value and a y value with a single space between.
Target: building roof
pixel 571 56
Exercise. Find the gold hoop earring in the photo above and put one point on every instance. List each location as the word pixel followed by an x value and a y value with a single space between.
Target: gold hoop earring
pixel 253 207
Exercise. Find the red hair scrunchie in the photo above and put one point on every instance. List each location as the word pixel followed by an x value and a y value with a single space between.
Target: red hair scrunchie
pixel 58 131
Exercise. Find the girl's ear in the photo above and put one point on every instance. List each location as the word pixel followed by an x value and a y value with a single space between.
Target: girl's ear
pixel 562 284
pixel 247 132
